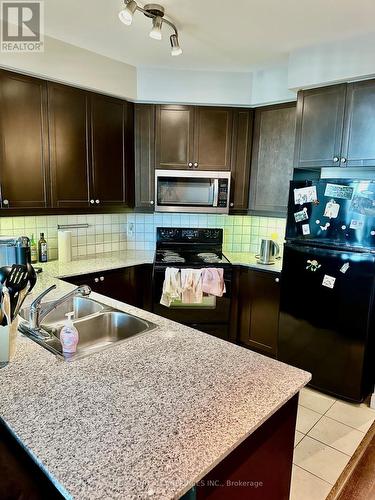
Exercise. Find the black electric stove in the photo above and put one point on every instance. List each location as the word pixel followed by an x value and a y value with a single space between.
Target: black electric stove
pixel 193 248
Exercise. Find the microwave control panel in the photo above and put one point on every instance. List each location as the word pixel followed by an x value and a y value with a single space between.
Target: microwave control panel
pixel 223 193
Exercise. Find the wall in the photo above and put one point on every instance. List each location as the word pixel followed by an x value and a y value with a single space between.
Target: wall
pixel 193 87
pixel 324 64
pixel 69 64
pixel 110 232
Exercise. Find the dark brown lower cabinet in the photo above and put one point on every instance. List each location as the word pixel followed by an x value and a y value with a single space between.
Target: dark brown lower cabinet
pixel 131 285
pixel 260 468
pixel 20 476
pixel 258 310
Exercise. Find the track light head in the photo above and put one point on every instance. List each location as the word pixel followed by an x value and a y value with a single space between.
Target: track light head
pixel 155 33
pixel 175 46
pixel 126 14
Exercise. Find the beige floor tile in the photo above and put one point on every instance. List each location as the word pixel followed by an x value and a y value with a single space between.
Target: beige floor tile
pixel 305 486
pixel 358 416
pixel 297 437
pixel 337 435
pixel 320 459
pixel 315 400
pixel 306 419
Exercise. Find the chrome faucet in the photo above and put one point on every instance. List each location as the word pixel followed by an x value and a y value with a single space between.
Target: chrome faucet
pixel 36 313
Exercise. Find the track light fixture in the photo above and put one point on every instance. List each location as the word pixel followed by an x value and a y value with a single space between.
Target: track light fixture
pixel 156 13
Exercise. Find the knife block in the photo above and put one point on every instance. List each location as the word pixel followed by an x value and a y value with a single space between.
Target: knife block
pixel 8 336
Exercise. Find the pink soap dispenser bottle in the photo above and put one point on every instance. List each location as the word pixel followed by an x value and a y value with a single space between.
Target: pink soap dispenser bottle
pixel 69 335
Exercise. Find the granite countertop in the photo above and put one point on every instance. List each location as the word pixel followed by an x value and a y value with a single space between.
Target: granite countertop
pixel 145 418
pixel 249 260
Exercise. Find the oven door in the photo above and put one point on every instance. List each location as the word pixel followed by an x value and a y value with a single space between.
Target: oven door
pixel 213 310
pixel 192 191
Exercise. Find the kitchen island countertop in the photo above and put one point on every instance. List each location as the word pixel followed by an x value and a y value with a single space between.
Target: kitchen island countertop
pixel 145 418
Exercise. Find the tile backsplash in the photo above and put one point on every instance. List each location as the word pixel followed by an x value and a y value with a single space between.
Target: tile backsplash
pixel 113 232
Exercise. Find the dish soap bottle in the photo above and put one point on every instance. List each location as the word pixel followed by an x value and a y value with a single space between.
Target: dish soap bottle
pixel 69 335
pixel 33 250
pixel 43 253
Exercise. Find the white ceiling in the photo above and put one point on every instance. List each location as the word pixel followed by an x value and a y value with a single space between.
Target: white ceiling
pixel 214 34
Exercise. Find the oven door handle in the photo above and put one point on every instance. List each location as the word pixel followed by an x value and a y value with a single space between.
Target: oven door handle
pixel 216 192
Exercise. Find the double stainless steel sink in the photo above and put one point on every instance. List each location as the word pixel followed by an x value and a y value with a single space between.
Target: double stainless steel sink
pixel 99 326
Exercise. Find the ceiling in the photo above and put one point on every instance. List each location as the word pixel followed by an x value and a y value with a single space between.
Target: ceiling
pixel 214 34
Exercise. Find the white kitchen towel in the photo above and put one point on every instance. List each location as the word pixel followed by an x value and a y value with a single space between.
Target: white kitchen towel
pixel 191 285
pixel 213 281
pixel 171 286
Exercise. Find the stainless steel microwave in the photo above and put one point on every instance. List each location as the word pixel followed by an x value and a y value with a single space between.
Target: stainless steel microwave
pixel 192 191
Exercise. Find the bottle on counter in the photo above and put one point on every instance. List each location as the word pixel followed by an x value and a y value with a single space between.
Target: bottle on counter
pixel 33 250
pixel 42 249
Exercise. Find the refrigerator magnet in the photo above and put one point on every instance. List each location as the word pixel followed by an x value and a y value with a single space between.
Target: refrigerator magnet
pixel 328 281
pixel 372 233
pixel 305 195
pixel 312 265
pixel 301 215
pixel 339 191
pixel 305 229
pixel 356 224
pixel 344 267
pixel 325 227
pixel 332 209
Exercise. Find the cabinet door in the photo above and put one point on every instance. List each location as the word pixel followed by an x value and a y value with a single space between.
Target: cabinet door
pixel 320 116
pixel 241 154
pixel 213 138
pixel 108 150
pixel 68 128
pixel 259 300
pixel 144 156
pixel 359 132
pixel 272 159
pixel 174 137
pixel 24 141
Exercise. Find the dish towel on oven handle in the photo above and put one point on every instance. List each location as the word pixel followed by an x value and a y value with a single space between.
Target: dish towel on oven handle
pixel 191 285
pixel 171 286
pixel 213 281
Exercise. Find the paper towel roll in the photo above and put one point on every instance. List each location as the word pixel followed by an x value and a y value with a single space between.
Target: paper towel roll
pixel 64 243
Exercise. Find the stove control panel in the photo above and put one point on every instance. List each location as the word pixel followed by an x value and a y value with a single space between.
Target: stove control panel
pixel 189 235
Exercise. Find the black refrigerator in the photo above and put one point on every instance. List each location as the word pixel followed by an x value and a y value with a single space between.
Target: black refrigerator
pixel 327 311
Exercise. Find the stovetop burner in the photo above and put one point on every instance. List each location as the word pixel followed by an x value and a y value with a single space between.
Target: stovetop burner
pixel 189 257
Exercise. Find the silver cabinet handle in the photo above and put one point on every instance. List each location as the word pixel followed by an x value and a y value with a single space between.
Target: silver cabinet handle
pixel 231 204
pixel 190 164
pixel 97 202
pixel 92 202
pixel 343 160
pixel 5 202
pixel 101 278
pixel 336 159
pixel 277 280
pixel 151 202
pixel 96 280
pixel 195 165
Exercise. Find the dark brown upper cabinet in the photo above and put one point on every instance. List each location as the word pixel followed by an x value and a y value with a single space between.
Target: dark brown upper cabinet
pixel 320 119
pixel 144 140
pixel 24 142
pixel 258 310
pixel 193 137
pixel 241 156
pixel 109 117
pixel 174 136
pixel 358 147
pixel 272 158
pixel 336 126
pixel 69 146
pixel 212 138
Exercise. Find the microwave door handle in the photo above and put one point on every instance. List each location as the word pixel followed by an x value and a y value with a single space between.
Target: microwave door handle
pixel 216 192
